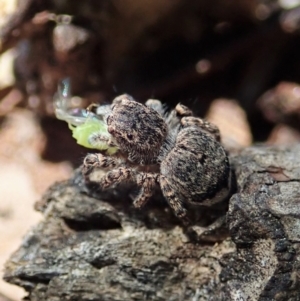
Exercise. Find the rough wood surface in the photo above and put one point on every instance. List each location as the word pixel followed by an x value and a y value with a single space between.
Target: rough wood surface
pixel 95 246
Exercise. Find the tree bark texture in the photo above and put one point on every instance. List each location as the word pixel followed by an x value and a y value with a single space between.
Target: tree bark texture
pixel 94 245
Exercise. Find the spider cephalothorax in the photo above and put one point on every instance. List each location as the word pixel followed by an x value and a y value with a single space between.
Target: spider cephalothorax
pixel 192 165
pixel 136 129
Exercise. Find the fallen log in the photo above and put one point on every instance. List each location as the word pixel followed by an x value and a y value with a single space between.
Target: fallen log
pixel 94 245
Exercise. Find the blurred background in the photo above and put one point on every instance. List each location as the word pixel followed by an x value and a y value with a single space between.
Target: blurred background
pixel 234 62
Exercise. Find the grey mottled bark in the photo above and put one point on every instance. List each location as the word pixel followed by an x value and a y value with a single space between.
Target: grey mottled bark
pixel 95 246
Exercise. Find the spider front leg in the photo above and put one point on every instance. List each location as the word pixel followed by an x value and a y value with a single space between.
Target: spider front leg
pixel 205 125
pixel 145 181
pixel 99 140
pixel 92 161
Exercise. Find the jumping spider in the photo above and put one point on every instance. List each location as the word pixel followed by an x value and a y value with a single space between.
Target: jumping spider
pixel 192 165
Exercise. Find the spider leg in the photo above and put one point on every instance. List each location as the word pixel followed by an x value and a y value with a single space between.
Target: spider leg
pixel 206 232
pixel 182 110
pixel 117 176
pixel 92 161
pixel 98 139
pixel 174 117
pixel 156 105
pixel 147 182
pixel 205 125
pixel 174 202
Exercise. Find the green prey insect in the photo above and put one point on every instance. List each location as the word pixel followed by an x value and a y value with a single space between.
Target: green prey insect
pixel 83 123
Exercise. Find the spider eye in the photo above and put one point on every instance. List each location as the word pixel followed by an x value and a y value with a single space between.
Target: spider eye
pixel 129 136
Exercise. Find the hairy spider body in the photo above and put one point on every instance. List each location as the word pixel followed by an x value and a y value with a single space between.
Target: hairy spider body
pixel 138 130
pixel 193 166
pixel 196 167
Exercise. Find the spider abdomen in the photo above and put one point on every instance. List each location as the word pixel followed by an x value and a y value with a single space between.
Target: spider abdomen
pixel 197 168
